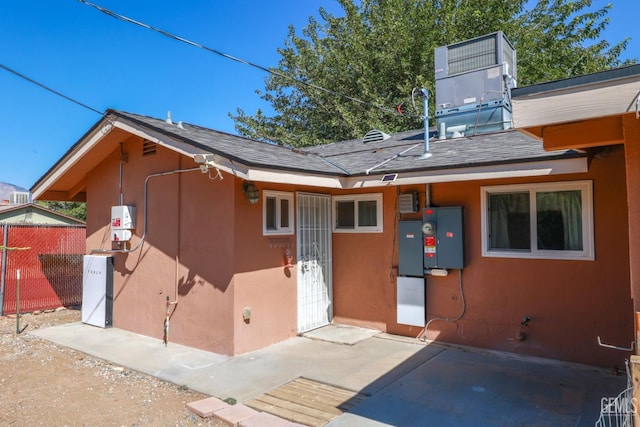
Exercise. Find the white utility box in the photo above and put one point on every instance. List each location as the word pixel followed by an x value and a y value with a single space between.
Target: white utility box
pixel 123 220
pixel 97 290
pixel 411 301
pixel 123 217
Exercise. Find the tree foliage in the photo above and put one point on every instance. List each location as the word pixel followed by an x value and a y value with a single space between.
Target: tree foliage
pixel 76 210
pixel 377 51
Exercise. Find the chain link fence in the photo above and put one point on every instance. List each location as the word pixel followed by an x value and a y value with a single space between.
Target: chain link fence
pixel 49 258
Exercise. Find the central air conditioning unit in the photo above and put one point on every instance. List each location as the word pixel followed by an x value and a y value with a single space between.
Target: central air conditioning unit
pixel 20 198
pixel 473 79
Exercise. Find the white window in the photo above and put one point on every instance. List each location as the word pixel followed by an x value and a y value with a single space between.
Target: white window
pixel 277 212
pixel 360 213
pixel 550 220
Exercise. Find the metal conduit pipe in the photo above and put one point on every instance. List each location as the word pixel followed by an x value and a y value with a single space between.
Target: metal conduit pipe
pixel 120 180
pixel 144 210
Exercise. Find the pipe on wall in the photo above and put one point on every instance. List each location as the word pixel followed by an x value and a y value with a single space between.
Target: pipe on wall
pixel 144 210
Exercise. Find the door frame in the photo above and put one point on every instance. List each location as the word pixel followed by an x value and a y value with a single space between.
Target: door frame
pixel 323 257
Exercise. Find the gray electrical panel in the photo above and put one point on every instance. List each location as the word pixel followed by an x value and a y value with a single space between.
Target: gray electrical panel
pixel 410 248
pixel 443 237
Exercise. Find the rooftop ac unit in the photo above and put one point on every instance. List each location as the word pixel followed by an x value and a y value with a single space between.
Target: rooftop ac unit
pixel 474 54
pixel 474 71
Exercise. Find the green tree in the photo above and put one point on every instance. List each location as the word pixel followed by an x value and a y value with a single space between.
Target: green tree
pixel 344 75
pixel 76 210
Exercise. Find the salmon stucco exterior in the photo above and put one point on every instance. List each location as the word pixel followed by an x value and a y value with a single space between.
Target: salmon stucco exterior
pixel 242 244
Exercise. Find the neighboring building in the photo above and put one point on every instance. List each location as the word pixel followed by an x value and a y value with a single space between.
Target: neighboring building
pixel 31 213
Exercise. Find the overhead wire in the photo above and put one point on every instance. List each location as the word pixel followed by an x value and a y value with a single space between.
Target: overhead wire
pixel 235 58
pixel 43 86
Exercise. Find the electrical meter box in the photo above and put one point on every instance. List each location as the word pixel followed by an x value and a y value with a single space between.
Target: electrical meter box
pixel 123 220
pixel 442 233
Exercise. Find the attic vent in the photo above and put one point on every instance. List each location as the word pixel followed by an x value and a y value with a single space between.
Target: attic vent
pixel 148 148
pixel 374 136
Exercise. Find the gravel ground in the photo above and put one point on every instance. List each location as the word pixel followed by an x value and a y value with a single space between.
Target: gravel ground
pixel 42 383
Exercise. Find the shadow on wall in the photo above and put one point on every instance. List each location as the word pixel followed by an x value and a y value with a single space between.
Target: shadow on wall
pixel 186 284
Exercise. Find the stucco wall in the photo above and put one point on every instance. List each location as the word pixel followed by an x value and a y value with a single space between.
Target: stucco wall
pixel 263 284
pixel 205 248
pixel 570 302
pixel 187 254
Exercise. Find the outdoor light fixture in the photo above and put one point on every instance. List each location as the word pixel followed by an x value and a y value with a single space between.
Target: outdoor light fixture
pixel 251 192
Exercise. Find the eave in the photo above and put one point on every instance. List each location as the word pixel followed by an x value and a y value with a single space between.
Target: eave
pixel 66 180
pixel 581 112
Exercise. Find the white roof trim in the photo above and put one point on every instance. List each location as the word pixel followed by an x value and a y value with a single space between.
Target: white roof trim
pixel 541 168
pixel 237 169
pixel 74 157
pixel 576 103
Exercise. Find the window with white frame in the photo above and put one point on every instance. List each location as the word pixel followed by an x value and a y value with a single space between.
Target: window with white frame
pixel 361 213
pixel 277 212
pixel 547 220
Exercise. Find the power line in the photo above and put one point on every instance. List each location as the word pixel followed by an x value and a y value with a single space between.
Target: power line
pixel 30 80
pixel 234 58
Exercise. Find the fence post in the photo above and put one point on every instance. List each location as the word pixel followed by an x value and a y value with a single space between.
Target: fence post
pixel 3 273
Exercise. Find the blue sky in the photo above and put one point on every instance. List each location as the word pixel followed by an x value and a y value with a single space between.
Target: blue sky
pixel 107 63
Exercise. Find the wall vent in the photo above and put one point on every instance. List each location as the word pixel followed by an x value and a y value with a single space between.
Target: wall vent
pixel 374 136
pixel 149 148
pixel 408 203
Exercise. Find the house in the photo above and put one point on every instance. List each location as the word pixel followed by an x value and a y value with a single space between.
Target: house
pixel 240 244
pixel 31 213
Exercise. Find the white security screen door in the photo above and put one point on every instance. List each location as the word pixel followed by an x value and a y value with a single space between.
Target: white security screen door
pixel 314 261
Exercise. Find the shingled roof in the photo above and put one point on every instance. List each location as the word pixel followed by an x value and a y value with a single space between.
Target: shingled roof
pixel 353 157
pixel 345 164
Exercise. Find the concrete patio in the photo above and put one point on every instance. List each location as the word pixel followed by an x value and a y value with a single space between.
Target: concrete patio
pixel 408 382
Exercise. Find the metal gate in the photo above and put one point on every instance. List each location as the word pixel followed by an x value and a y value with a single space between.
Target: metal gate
pixel 315 307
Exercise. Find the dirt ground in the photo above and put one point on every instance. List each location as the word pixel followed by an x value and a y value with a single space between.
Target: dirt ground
pixel 44 384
